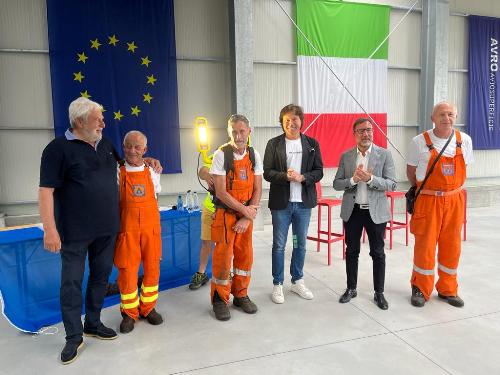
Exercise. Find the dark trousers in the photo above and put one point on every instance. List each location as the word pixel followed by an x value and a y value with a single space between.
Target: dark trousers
pixel 73 255
pixel 353 229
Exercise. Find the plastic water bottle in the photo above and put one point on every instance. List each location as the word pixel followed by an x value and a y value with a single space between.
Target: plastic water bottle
pixel 196 202
pixel 189 204
pixel 180 204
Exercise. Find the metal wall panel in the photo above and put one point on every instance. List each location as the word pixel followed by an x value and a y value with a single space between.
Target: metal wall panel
pixel 402 92
pixel 404 42
pixel 458 42
pixel 204 89
pixel 23 24
pixel 457 94
pixel 275 87
pixel 489 8
pixel 201 28
pixel 20 163
pixel 274 34
pixel 25 96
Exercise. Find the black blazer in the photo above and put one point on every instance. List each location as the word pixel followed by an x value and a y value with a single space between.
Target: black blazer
pixel 275 171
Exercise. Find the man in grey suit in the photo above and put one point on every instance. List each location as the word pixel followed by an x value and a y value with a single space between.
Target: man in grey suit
pixel 365 173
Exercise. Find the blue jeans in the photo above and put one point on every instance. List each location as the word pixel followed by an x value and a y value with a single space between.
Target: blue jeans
pixel 299 216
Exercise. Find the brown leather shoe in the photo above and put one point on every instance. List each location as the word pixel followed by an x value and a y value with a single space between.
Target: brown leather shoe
pixel 127 324
pixel 154 318
pixel 453 300
pixel 220 308
pixel 246 304
pixel 417 297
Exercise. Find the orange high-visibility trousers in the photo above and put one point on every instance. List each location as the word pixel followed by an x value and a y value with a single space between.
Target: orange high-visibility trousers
pixel 232 247
pixel 139 240
pixel 437 220
pixel 235 249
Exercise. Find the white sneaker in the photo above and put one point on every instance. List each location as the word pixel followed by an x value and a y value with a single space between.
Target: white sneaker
pixel 277 295
pixel 300 288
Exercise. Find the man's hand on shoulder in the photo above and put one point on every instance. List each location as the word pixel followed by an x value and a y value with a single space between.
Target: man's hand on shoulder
pixel 154 163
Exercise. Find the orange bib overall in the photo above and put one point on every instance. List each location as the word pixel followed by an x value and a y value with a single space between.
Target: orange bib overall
pixel 139 239
pixel 230 244
pixel 438 219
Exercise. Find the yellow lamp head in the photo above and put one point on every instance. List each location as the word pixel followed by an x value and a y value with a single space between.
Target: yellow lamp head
pixel 202 141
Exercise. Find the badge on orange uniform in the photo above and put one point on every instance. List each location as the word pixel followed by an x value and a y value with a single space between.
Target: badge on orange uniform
pixel 448 169
pixel 243 174
pixel 139 190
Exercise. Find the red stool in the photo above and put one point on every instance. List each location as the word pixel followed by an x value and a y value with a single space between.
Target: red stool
pixel 330 236
pixel 394 225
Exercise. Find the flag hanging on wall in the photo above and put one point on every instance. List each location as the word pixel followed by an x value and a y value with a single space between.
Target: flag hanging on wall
pixel 346 35
pixel 121 54
pixel 484 82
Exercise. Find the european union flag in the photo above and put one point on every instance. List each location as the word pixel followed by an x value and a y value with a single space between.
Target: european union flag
pixel 121 54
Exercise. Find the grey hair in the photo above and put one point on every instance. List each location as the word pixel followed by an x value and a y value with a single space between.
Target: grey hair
pixel 233 119
pixel 80 108
pixel 136 132
pixel 444 102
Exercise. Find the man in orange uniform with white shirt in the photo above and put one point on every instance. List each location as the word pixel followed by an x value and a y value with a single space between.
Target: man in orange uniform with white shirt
pixel 439 209
pixel 237 170
pixel 139 237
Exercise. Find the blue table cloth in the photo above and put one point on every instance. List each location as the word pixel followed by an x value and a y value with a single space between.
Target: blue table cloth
pixel 30 276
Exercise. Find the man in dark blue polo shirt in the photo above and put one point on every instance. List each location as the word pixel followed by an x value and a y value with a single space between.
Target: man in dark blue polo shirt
pixel 78 200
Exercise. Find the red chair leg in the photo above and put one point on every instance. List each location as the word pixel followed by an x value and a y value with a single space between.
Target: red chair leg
pixel 319 227
pixel 329 234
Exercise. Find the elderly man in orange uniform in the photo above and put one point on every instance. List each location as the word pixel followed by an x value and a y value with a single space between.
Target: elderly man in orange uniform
pixel 237 169
pixel 439 209
pixel 139 236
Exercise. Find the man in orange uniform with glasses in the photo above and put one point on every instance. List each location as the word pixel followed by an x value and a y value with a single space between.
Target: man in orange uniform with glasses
pixel 139 237
pixel 237 169
pixel 439 209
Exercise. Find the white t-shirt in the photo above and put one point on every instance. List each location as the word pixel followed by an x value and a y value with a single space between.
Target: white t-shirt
pixel 154 176
pixel 294 161
pixel 218 163
pixel 419 155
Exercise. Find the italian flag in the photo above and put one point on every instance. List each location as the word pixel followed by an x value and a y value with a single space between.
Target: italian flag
pixel 346 35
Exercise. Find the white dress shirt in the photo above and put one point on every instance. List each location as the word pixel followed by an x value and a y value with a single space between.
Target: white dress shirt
pixel 362 192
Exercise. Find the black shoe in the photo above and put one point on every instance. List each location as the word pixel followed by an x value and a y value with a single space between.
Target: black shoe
pixel 453 300
pixel 348 295
pixel 127 324
pixel 246 304
pixel 221 309
pixel 70 351
pixel 198 280
pixel 381 301
pixel 154 318
pixel 417 297
pixel 101 332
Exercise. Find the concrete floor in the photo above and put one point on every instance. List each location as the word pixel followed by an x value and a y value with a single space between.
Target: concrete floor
pixel 302 337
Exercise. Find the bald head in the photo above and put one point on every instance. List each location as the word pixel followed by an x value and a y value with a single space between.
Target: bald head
pixel 134 147
pixel 446 105
pixel 443 116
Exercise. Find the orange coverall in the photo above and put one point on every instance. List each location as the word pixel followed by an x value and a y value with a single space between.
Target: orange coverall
pixel 139 239
pixel 229 243
pixel 437 219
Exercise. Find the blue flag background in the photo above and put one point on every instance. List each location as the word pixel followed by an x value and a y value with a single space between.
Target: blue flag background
pixel 121 54
pixel 484 82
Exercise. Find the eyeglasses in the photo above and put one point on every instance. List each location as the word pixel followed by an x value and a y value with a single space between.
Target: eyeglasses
pixel 365 130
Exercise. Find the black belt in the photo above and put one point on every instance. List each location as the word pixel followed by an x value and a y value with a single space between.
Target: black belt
pixel 362 206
